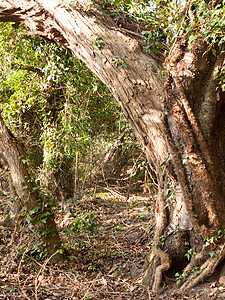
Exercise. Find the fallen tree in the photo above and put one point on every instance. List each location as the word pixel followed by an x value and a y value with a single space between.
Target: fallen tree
pixel 178 119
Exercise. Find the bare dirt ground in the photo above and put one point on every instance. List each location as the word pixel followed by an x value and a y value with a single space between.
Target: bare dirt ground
pixel 108 238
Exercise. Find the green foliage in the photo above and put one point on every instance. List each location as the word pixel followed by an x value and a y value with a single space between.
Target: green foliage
pixel 119 63
pixel 195 270
pixel 165 21
pixel 52 102
pixel 178 278
pixel 212 253
pixel 63 114
pixel 84 222
pixel 211 241
pixel 98 43
pixel 81 222
pixel 220 76
pixel 214 25
pixel 36 223
pixel 153 41
pixel 181 277
pixel 190 253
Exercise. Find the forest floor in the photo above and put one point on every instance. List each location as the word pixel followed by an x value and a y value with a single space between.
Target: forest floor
pixel 108 237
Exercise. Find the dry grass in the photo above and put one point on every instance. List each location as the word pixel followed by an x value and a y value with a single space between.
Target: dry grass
pixel 106 253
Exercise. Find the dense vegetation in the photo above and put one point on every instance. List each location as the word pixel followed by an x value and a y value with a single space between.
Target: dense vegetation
pixel 53 103
pixel 162 23
pixel 79 149
pixel 69 123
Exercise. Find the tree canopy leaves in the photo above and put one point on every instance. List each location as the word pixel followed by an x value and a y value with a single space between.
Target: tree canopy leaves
pixel 50 99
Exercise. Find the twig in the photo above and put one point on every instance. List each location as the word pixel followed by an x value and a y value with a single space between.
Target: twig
pixel 13 235
pixel 90 286
pixel 113 192
pixel 143 235
pixel 76 180
pixel 39 273
pixel 149 294
pixel 33 260
pixel 153 180
pixel 132 228
pixel 87 171
pixel 18 273
pixel 129 188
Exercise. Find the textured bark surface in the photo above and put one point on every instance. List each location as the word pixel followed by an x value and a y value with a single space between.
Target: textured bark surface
pixel 190 128
pixel 191 99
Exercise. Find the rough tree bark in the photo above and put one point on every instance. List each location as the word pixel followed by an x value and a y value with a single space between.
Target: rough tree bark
pixel 27 194
pixel 179 122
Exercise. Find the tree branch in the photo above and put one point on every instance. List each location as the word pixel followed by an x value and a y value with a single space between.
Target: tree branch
pixel 28 68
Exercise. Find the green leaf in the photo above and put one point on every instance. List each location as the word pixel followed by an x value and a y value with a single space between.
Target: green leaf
pixel 33 211
pixel 193 37
pixel 117 2
pixel 145 32
pixel 211 254
pixel 214 52
pixel 8 288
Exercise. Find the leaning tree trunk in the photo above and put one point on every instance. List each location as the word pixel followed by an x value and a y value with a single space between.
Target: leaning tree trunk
pixel 185 142
pixel 27 193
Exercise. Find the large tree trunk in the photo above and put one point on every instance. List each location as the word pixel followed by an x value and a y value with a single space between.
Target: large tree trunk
pixel 195 134
pixel 185 142
pixel 195 131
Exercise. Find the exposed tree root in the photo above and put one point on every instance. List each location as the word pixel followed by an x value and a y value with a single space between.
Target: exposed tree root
pixel 200 267
pixel 193 276
pixel 158 262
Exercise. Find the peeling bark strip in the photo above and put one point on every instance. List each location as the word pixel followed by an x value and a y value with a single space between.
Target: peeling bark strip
pixel 119 61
